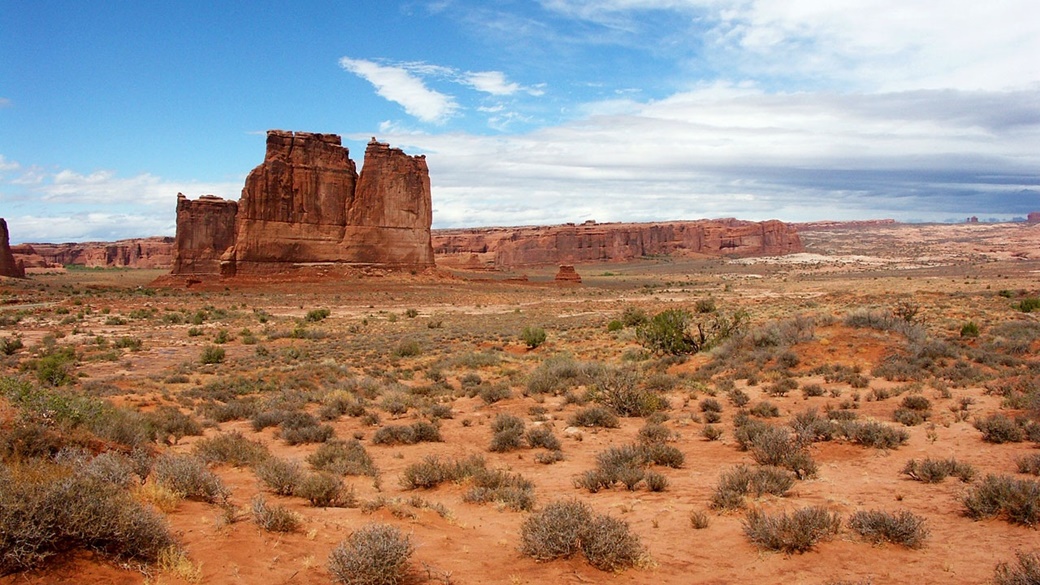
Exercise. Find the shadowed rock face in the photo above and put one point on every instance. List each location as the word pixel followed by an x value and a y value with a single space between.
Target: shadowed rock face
pixel 592 242
pixel 306 204
pixel 8 266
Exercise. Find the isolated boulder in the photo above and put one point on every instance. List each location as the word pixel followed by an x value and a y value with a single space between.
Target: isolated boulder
pixel 567 274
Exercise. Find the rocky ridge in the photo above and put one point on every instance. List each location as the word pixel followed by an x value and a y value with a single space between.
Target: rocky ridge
pixel 8 265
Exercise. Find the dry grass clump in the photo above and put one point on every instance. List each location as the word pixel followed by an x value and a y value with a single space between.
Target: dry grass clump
pixel 797 532
pixel 936 470
pixel 188 476
pixel 1025 570
pixel 744 480
pixel 375 554
pixel 274 518
pixel 567 527
pixel 878 526
pixel 1018 500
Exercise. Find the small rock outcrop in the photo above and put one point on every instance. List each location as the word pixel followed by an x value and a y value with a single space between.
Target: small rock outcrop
pixel 8 265
pixel 307 205
pixel 568 275
pixel 1033 217
pixel 505 248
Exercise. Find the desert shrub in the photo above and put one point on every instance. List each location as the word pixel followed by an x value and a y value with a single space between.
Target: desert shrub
pixel 47 513
pixel 408 348
pixel 710 405
pixel 916 402
pixel 873 434
pixel 188 476
pixel 765 409
pixel 797 532
pixel 711 432
pixel 661 454
pixel 737 483
pixel 969 329
pixel 781 387
pixel 777 447
pixel 267 418
pixel 812 390
pixel 548 457
pixel 936 470
pixel 878 526
pixel 212 354
pixel 699 520
pixel 746 429
pixel 810 427
pixel 279 475
pixel 10 345
pixel 1028 305
pixel 325 490
pixel 998 428
pixel 633 316
pixel 231 448
pixel 1026 571
pixel 533 336
pixel 417 432
pixel 116 468
pixel 511 490
pixel 375 554
pixel 654 433
pixel 609 545
pixel 1000 495
pixel 168 422
pixel 315 315
pixel 594 416
pixel 738 397
pixel 508 433
pixel 908 417
pixel 618 389
pixel 273 518
pixel 299 427
pixel 1029 464
pixel 566 527
pixel 543 437
pixel 559 374
pixel 56 368
pixel 342 458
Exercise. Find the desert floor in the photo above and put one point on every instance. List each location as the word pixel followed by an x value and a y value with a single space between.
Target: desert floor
pixel 400 349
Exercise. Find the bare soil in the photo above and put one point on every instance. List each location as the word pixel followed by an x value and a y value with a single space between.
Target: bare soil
pixel 952 274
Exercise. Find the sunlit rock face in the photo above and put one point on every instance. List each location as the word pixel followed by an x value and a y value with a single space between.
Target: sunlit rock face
pixel 8 265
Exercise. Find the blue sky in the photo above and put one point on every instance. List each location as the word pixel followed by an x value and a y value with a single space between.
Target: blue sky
pixel 529 112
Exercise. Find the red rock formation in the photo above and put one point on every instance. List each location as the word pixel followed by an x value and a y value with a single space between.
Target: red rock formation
pixel 205 230
pixel 155 252
pixel 389 222
pixel 1033 217
pixel 305 204
pixel 8 265
pixel 567 274
pixel 591 242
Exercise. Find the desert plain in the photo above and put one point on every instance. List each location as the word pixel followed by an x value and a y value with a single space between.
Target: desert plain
pixel 923 329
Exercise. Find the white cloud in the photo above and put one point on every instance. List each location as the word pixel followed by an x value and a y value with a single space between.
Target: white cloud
pixel 82 227
pixel 492 82
pixel 8 165
pixel 6 103
pixel 397 84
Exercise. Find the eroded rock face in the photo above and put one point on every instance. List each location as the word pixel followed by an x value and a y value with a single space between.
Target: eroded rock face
pixel 305 204
pixel 8 265
pixel 1033 217
pixel 592 242
pixel 205 231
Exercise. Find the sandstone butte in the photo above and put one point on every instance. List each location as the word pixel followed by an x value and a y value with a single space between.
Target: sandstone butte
pixel 306 205
pixel 8 265
pixel 156 252
pixel 504 248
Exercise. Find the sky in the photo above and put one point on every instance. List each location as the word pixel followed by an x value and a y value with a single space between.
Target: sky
pixel 529 112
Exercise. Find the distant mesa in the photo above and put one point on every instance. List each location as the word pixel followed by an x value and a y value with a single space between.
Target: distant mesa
pixel 306 205
pixel 8 265
pixel 569 244
pixel 1033 217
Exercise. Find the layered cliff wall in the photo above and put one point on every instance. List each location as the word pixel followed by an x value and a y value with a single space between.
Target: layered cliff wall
pixel 306 204
pixel 592 242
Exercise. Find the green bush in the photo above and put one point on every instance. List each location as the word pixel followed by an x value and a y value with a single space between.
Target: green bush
pixel 969 329
pixel 1028 305
pixel 56 368
pixel 619 390
pixel 315 315
pixel 212 354
pixel 797 532
pixel 375 554
pixel 533 336
pixel 674 331
pixel 877 526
